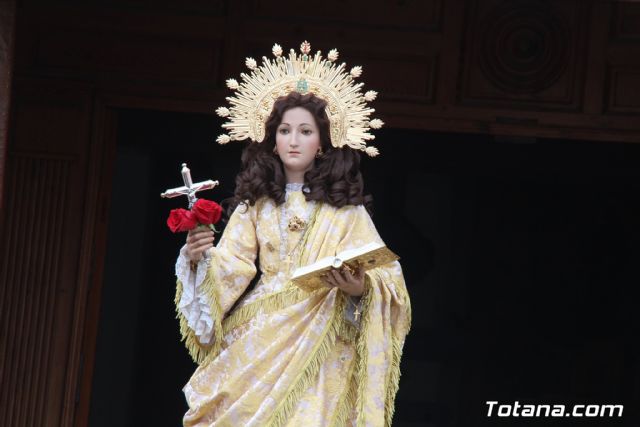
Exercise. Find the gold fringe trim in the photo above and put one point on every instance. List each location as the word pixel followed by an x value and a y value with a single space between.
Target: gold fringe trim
pixel 361 351
pixel 393 381
pixel 351 334
pixel 318 355
pixel 348 332
pixel 347 399
pixel 307 234
pixel 265 305
pixel 407 305
pixel 200 352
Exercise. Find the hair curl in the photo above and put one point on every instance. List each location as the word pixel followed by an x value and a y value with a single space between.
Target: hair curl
pixel 335 177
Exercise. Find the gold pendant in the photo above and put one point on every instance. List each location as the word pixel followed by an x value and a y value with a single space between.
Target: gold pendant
pixel 296 223
pixel 356 314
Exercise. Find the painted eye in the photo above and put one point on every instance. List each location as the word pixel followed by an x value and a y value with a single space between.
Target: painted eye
pixel 307 132
pixel 283 131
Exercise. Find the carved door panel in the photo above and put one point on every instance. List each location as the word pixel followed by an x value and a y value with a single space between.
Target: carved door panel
pixel 45 250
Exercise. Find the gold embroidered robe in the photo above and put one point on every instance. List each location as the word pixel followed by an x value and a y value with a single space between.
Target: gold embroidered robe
pixel 285 357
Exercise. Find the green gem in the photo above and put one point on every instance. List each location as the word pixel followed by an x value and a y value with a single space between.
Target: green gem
pixel 302 86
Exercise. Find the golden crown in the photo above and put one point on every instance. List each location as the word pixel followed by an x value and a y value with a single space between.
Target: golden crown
pixel 347 110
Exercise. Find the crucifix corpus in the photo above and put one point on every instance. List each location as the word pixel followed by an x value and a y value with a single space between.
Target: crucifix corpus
pixel 189 188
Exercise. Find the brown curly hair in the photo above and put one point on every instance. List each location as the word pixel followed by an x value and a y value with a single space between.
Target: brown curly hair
pixel 334 179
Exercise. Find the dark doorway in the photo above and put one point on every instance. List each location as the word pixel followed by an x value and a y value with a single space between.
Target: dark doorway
pixel 520 256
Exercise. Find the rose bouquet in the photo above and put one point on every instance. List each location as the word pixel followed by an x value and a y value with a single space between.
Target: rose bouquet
pixel 203 213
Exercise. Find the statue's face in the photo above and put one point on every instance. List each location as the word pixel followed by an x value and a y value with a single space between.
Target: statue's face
pixel 297 140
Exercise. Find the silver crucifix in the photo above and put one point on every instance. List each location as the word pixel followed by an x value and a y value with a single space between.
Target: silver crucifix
pixel 189 189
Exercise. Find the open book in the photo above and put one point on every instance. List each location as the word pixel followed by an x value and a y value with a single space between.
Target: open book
pixel 368 256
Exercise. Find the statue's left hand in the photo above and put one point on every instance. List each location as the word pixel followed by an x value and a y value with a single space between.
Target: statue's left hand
pixel 351 284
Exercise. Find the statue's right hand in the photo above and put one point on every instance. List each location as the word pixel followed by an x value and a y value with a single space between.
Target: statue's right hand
pixel 198 241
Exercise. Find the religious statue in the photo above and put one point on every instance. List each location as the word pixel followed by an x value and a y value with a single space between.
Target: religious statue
pixel 278 354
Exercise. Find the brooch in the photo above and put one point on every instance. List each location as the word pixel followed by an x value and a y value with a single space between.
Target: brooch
pixel 296 223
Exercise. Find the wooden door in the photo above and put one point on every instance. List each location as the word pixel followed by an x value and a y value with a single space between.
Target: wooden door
pixel 47 250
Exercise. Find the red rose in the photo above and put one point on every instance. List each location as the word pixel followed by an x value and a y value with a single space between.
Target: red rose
pixel 181 220
pixel 206 212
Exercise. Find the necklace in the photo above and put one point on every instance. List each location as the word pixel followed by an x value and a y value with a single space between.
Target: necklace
pixel 295 224
pixel 356 313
